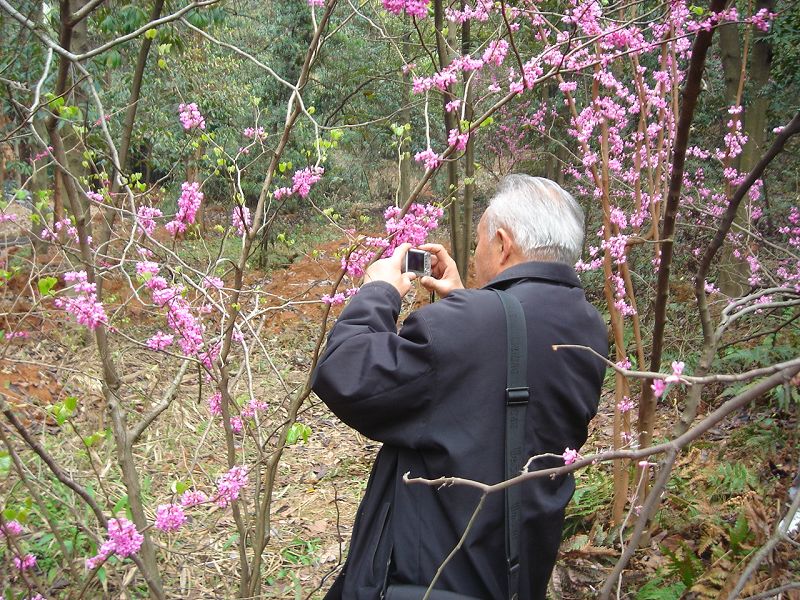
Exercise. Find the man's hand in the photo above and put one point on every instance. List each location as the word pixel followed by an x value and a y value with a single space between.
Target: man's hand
pixel 443 268
pixel 390 270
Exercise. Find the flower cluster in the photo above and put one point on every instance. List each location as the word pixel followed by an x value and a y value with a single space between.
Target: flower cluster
pixel 10 528
pixel 160 341
pixel 429 157
pixel 240 219
pixel 193 498
pixel 255 132
pixel 414 8
pixel 145 219
pixel 248 411
pixel 570 456
pixel 85 307
pixel 625 405
pixel 188 205
pixel 24 563
pixel 169 517
pixel 303 180
pixel 229 485
pixel 123 540
pixel 72 231
pixel 412 228
pixel 190 117
pixel 339 298
pixel 181 320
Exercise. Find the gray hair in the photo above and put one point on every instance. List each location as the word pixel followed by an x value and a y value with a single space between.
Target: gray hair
pixel 545 221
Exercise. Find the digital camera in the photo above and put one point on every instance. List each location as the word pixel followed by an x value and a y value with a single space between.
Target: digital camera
pixel 417 261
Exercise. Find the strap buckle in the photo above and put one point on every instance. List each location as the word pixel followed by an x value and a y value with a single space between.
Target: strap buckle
pixel 517 395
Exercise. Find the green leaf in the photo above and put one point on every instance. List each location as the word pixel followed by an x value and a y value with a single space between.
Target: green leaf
pixel 71 402
pixel 298 431
pixel 178 487
pixel 121 503
pixel 5 463
pixel 150 34
pixel 46 285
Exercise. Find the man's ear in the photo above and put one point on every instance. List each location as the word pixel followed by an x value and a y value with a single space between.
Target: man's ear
pixel 507 248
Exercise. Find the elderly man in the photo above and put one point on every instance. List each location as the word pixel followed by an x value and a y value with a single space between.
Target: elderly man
pixel 434 394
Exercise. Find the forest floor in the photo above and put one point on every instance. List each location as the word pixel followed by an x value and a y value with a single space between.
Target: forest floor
pixel 718 508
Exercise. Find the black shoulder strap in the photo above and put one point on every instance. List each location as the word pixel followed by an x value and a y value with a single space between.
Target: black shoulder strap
pixel 517 394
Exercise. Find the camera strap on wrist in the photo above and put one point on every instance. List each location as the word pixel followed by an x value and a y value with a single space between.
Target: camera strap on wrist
pixel 517 395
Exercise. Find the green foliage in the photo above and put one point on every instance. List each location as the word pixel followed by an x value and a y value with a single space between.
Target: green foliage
pixel 730 479
pixel 684 564
pixel 594 492
pixel 659 588
pixel 297 432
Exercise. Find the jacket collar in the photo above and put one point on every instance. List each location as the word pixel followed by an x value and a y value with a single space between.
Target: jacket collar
pixel 550 272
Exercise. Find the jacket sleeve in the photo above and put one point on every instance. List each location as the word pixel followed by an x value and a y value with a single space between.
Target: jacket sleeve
pixel 373 378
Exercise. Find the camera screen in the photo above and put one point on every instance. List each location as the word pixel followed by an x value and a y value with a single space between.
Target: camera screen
pixel 416 261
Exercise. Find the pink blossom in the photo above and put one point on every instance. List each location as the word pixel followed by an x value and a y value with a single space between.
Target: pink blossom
pixel 160 341
pixel 240 219
pixel 457 139
pixel 193 498
pixel 414 8
pixel 251 408
pixel 429 157
pixel 677 370
pixel 190 117
pixel 188 204
pixel 495 52
pixel 127 540
pixel 570 456
pixel 625 405
pixel 624 363
pixel 658 386
pixel 215 404
pixel 230 484
pixel 24 563
pixel 85 308
pixel 453 105
pixel 95 196
pixel 762 19
pixel 123 540
pixel 237 424
pixel 258 132
pixel 146 267
pixel 338 298
pixel 303 180
pixel 42 154
pixel 145 217
pixel 169 517
pixel 283 192
pixel 10 528
pixel 211 281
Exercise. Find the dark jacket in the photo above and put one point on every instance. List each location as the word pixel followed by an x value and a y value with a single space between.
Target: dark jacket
pixel 434 394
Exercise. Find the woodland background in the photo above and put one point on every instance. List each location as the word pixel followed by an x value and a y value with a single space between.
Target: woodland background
pixel 141 359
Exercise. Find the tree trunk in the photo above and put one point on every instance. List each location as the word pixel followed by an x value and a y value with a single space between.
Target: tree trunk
pixel 405 117
pixel 465 231
pixel 450 122
pixel 734 272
